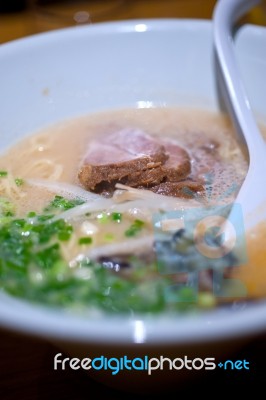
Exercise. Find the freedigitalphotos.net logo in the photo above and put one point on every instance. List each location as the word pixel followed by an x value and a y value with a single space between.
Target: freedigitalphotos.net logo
pixel 146 364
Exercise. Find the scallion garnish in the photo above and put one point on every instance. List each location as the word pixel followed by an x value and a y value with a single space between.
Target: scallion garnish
pixel 103 217
pixel 135 228
pixel 19 181
pixel 85 240
pixel 63 204
pixel 116 216
pixel 109 237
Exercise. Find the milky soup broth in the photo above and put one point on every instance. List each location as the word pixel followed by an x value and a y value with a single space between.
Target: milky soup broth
pixel 56 152
pixel 55 155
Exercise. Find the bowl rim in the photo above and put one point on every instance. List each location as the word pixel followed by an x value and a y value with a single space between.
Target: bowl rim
pixel 19 315
pixel 209 326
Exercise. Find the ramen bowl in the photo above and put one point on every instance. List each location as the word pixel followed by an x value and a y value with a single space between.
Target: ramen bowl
pixel 63 74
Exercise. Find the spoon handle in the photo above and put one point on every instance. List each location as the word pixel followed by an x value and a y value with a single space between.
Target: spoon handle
pixel 252 194
pixel 226 13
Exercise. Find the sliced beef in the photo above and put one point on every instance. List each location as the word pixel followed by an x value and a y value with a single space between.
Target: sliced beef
pixel 185 189
pixel 145 178
pixel 124 157
pixel 134 158
pixel 177 166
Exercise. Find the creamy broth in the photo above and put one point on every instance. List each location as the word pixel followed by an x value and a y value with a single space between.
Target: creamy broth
pixel 56 154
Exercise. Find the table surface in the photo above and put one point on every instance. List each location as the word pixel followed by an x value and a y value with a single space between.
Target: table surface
pixel 26 363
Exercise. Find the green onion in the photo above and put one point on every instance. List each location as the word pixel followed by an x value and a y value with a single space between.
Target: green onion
pixel 7 209
pixel 31 214
pixel 3 174
pixel 135 228
pixel 63 204
pixel 19 181
pixel 48 257
pixel 32 267
pixel 64 235
pixel 109 237
pixel 116 216
pixel 85 240
pixel 9 214
pixel 103 218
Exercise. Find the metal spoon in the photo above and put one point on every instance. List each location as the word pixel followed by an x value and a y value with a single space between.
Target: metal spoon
pixel 252 194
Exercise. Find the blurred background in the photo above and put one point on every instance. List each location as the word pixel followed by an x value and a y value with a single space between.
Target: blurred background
pixel 20 18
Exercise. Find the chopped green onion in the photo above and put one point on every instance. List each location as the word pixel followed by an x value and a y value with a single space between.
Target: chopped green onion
pixel 103 218
pixel 109 237
pixel 31 214
pixel 62 203
pixel 139 223
pixel 7 209
pixel 85 240
pixel 19 181
pixel 32 266
pixel 64 236
pixel 3 174
pixel 48 257
pixel 9 214
pixel 135 228
pixel 116 216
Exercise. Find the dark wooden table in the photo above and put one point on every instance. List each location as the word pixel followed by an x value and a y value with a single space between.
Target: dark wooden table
pixel 26 363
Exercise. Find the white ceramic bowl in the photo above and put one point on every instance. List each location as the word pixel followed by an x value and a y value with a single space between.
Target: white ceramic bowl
pixel 112 65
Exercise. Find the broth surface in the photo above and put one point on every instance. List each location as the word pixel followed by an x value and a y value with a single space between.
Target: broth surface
pixel 113 238
pixel 57 152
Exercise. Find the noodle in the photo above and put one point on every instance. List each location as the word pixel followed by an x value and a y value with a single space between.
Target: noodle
pixel 126 247
pixel 69 248
pixel 9 188
pixel 64 189
pixel 44 168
